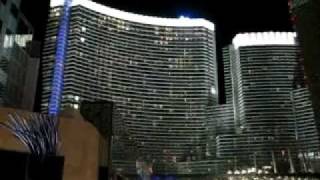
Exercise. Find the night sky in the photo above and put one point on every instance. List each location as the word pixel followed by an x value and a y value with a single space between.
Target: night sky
pixel 229 16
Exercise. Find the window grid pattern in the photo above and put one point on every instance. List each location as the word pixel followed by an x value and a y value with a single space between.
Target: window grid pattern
pixel 159 78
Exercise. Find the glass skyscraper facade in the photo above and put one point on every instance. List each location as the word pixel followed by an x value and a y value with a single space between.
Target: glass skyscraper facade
pixel 18 66
pixel 161 74
pixel 273 115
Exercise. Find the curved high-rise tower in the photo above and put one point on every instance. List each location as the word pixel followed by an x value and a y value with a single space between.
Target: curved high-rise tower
pixel 274 122
pixel 159 72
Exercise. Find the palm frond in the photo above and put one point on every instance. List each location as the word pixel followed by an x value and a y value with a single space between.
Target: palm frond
pixel 39 133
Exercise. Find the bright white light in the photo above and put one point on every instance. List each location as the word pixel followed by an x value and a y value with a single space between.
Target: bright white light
pixel 183 17
pixel 267 167
pixel 264 38
pixel 251 170
pixel 21 40
pixel 56 3
pixel 77 98
pixel 76 106
pixel 175 22
pixel 213 91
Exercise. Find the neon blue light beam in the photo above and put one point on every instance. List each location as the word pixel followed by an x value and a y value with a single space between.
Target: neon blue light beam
pixel 61 47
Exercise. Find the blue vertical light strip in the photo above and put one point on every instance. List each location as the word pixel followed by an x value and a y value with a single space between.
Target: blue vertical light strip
pixel 61 47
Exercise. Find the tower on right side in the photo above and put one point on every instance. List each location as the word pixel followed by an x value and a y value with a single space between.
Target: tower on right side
pixel 306 21
pixel 274 123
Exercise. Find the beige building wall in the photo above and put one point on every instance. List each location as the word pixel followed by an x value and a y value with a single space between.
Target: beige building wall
pixel 80 145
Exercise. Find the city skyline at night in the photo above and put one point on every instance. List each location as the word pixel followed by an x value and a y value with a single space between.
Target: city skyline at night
pixel 184 89
pixel 230 17
pixel 268 123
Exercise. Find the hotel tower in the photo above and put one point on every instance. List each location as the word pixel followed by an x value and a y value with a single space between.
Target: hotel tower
pixel 160 73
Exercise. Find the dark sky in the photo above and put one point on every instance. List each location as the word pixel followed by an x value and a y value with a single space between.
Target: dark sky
pixel 230 16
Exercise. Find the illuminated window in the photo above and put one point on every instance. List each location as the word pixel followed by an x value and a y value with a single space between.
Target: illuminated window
pixel 53 38
pixel 82 39
pixel 77 98
pixel 76 106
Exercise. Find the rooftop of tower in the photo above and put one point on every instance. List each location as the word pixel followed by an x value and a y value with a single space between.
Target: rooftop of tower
pixel 264 38
pixel 159 21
